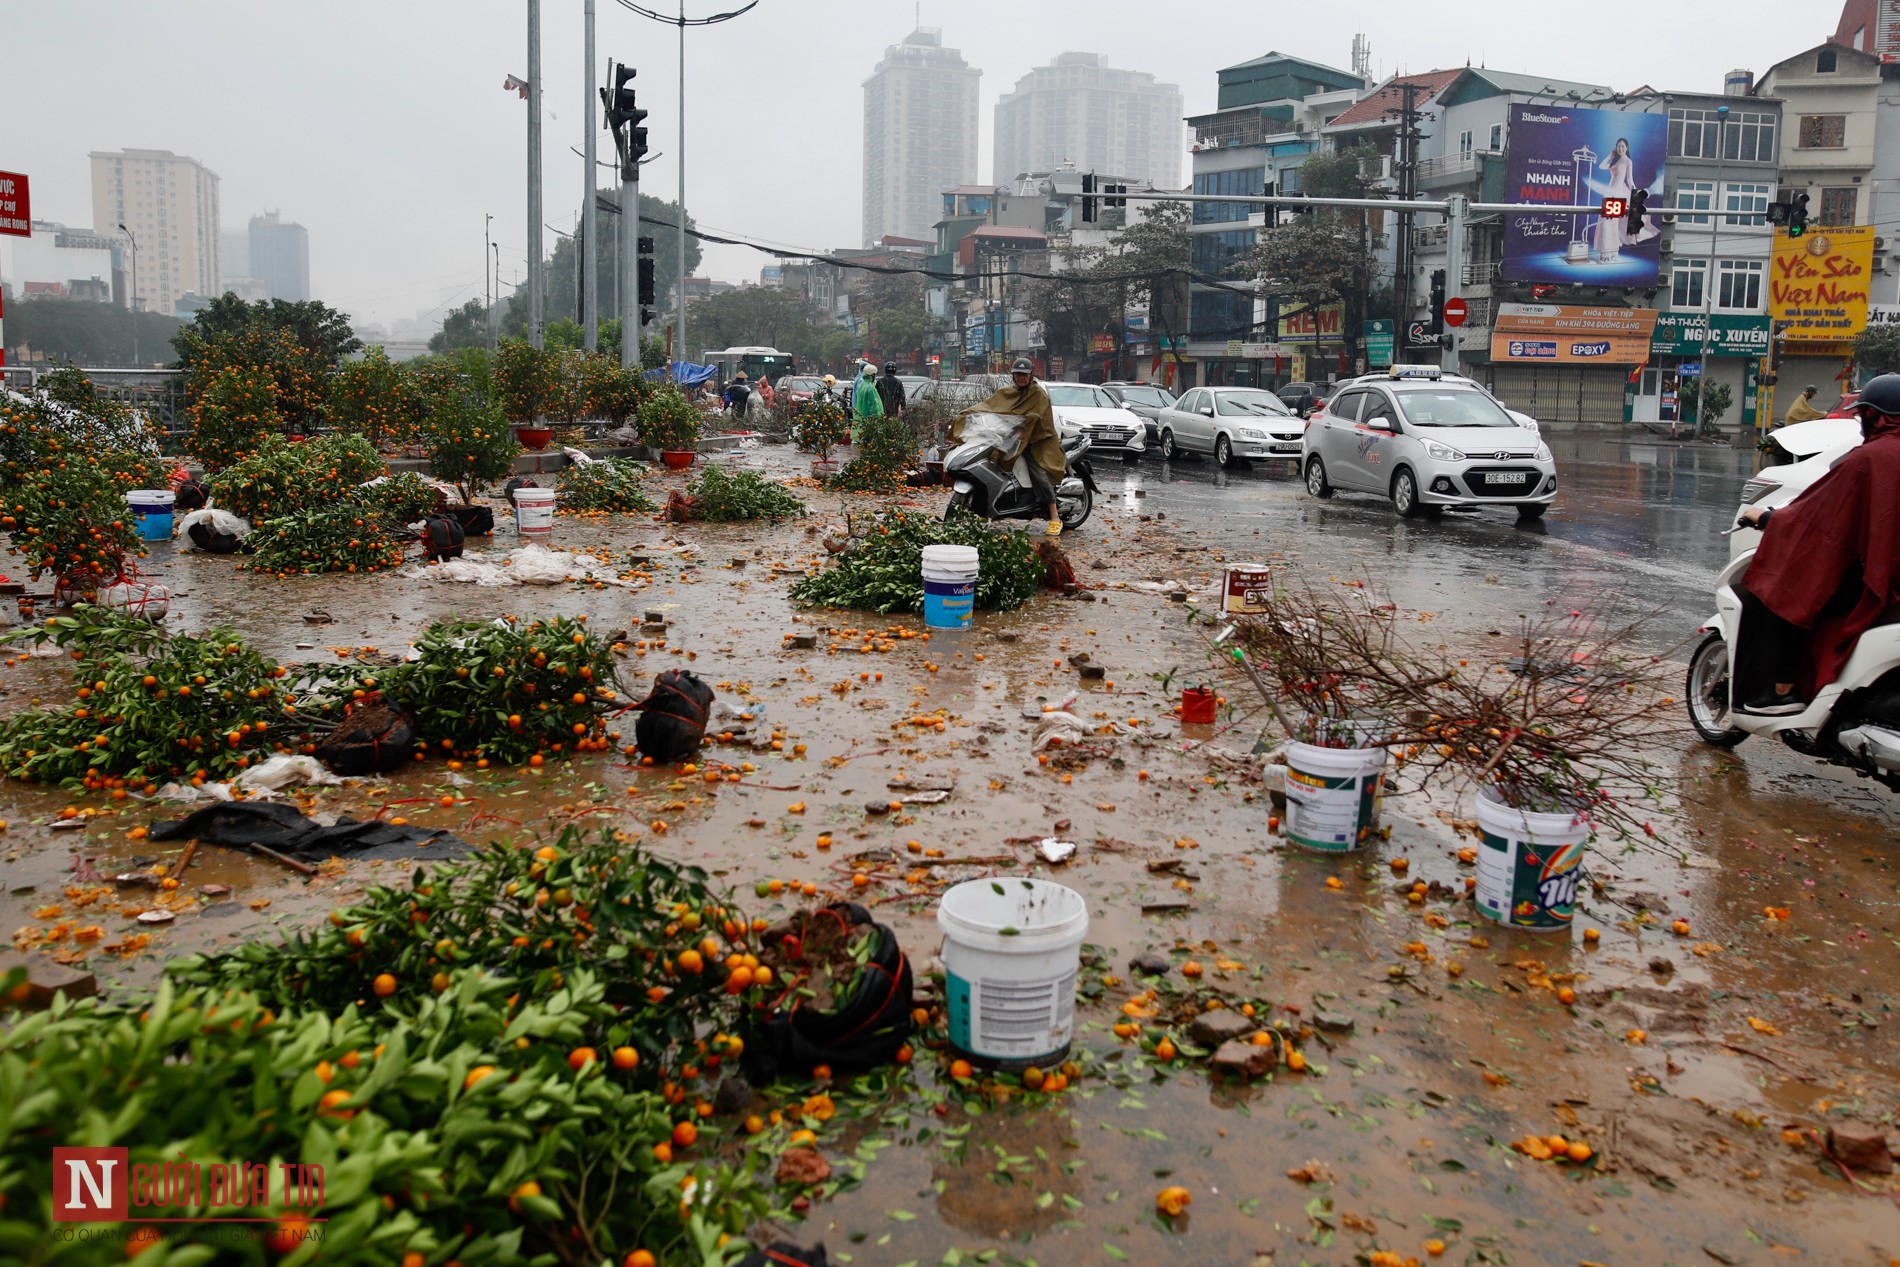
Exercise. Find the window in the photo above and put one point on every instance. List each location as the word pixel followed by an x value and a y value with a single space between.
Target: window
pixel 1219 315
pixel 1837 206
pixel 1738 285
pixel 1746 137
pixel 1825 62
pixel 1245 181
pixel 1346 407
pixel 1686 281
pixel 1823 131
pixel 1749 200
pixel 1215 253
pixel 1694 195
pixel 1497 138
pixel 1464 144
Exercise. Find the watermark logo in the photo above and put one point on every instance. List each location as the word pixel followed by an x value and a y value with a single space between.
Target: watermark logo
pixel 90 1185
pixel 101 1185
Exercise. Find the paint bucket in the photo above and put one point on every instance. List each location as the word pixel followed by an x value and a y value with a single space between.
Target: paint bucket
pixel 1333 796
pixel 1245 589
pixel 950 574
pixel 1197 706
pixel 1530 865
pixel 1011 953
pixel 151 513
pixel 534 511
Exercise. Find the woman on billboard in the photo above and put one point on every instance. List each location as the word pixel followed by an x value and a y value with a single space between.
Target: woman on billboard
pixel 1610 235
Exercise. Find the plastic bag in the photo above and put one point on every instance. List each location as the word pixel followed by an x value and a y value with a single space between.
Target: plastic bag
pixel 214 531
pixel 673 716
pixel 868 1018
pixel 999 431
pixel 285 770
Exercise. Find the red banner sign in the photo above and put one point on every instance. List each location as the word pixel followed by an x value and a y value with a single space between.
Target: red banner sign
pixel 16 210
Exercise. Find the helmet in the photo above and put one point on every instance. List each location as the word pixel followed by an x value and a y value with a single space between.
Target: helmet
pixel 831 380
pixel 1882 395
pixel 739 377
pixel 869 369
pixel 890 367
pixel 1022 366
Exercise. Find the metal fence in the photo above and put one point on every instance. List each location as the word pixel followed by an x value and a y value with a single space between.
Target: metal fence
pixel 160 394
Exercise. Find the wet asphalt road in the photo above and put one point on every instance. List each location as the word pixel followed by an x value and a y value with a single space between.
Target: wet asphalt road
pixel 1636 520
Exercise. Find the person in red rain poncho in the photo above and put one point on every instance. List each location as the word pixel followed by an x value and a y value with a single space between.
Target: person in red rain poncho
pixel 1827 567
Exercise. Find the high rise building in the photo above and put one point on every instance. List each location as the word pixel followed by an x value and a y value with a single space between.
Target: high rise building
pixel 170 205
pixel 234 255
pixel 1101 119
pixel 280 256
pixel 920 134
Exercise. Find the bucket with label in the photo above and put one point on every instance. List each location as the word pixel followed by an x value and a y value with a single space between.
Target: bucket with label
pixel 950 574
pixel 1333 796
pixel 1529 866
pixel 534 511
pixel 1011 953
pixel 151 513
pixel 1245 589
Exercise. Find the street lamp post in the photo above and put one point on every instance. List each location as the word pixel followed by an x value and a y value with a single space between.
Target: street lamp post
pixel 590 276
pixel 133 298
pixel 1709 283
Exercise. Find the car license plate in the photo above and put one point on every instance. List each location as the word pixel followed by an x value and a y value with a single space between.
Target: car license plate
pixel 1507 477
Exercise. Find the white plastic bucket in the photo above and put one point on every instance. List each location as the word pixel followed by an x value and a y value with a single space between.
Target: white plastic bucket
pixel 534 511
pixel 1011 953
pixel 950 574
pixel 1333 796
pixel 1529 866
pixel 151 513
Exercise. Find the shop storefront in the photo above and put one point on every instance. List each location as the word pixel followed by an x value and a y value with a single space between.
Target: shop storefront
pixel 1568 364
pixel 1736 344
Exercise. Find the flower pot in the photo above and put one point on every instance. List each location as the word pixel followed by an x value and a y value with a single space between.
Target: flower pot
pixel 1333 795
pixel 677 459
pixel 534 439
pixel 1197 706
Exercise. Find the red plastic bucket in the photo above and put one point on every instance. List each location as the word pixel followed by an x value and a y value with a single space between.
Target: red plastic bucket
pixel 1197 706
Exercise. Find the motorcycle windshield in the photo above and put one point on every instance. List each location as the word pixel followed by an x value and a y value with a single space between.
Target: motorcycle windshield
pixel 997 431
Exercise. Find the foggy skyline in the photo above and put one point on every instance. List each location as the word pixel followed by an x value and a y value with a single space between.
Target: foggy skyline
pixel 384 129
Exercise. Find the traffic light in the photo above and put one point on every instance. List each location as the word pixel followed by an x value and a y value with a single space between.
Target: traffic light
pixel 624 116
pixel 1638 204
pixel 1438 299
pixel 1777 213
pixel 1798 215
pixel 1088 197
pixel 1112 202
pixel 648 285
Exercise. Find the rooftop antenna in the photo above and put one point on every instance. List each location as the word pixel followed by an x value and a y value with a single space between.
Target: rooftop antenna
pixel 1362 56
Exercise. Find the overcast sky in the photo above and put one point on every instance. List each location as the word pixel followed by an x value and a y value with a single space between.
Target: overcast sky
pixel 381 125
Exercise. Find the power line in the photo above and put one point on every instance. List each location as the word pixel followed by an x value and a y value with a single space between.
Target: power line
pixel 682 19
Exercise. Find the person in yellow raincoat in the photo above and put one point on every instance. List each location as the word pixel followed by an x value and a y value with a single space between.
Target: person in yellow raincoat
pixel 1039 438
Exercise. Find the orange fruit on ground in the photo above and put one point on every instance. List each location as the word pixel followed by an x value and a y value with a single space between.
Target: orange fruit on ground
pixel 626 1058
pixel 384 985
pixel 1566 996
pixel 685 1134
pixel 1579 1151
pixel 961 1070
pixel 803 1139
pixel 1172 1201
pixel 904 1054
pixel 1164 1050
pixel 581 1057
pixel 1033 1078
pixel 1296 1061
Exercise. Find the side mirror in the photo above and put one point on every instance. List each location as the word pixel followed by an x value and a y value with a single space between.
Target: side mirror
pixel 1208 410
pixel 1380 423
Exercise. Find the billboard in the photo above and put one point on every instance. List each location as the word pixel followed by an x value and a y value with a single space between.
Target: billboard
pixel 1687 333
pixel 16 206
pixel 1308 324
pixel 1559 334
pixel 1566 157
pixel 1818 283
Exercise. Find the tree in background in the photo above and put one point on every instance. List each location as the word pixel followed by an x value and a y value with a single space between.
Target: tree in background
pixel 82 333
pixel 657 218
pixel 1143 265
pixel 1324 255
pixel 376 398
pixel 894 311
pixel 1704 403
pixel 527 380
pixel 1877 350
pixel 760 316
pixel 464 327
pixel 320 329
pixel 297 375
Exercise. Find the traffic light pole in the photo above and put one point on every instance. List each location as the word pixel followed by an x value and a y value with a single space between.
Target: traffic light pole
pixel 627 285
pixel 1455 215
pixel 535 287
pixel 590 224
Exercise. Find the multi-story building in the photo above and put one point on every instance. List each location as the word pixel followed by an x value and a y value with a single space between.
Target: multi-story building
pixel 920 134
pixel 280 256
pixel 169 203
pixel 1831 103
pixel 1099 118
pixel 61 262
pixel 1270 112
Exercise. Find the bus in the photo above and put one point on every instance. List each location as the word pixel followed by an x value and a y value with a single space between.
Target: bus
pixel 768 364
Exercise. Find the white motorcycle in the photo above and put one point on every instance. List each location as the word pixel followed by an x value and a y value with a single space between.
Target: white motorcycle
pixel 1854 721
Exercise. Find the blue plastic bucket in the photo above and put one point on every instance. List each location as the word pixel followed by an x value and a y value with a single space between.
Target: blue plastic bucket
pixel 950 574
pixel 151 513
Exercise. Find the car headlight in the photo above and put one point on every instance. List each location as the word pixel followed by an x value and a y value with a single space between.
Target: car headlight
pixel 1758 488
pixel 1250 433
pixel 1543 452
pixel 1444 453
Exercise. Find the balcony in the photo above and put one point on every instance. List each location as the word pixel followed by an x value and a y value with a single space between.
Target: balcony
pixel 1453 169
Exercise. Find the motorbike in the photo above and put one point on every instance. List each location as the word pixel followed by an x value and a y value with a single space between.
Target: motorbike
pixel 984 486
pixel 1853 721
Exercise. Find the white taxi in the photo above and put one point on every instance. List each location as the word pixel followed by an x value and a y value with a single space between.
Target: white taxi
pixel 1427 440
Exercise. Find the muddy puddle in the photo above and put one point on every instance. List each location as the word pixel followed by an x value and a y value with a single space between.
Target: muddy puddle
pixel 1683 1059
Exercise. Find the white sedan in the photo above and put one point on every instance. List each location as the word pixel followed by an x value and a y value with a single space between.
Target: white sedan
pixel 1110 428
pixel 1232 423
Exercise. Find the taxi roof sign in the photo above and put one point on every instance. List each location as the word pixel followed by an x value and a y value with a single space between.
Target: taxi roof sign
pixel 1414 371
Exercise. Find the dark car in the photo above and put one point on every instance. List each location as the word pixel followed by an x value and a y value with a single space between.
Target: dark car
pixel 1304 398
pixel 1145 400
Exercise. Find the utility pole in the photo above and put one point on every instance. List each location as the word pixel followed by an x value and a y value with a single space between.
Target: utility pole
pixel 488 293
pixel 134 305
pixel 679 341
pixel 1457 210
pixel 590 275
pixel 1405 166
pixel 625 117
pixel 1710 278
pixel 535 281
